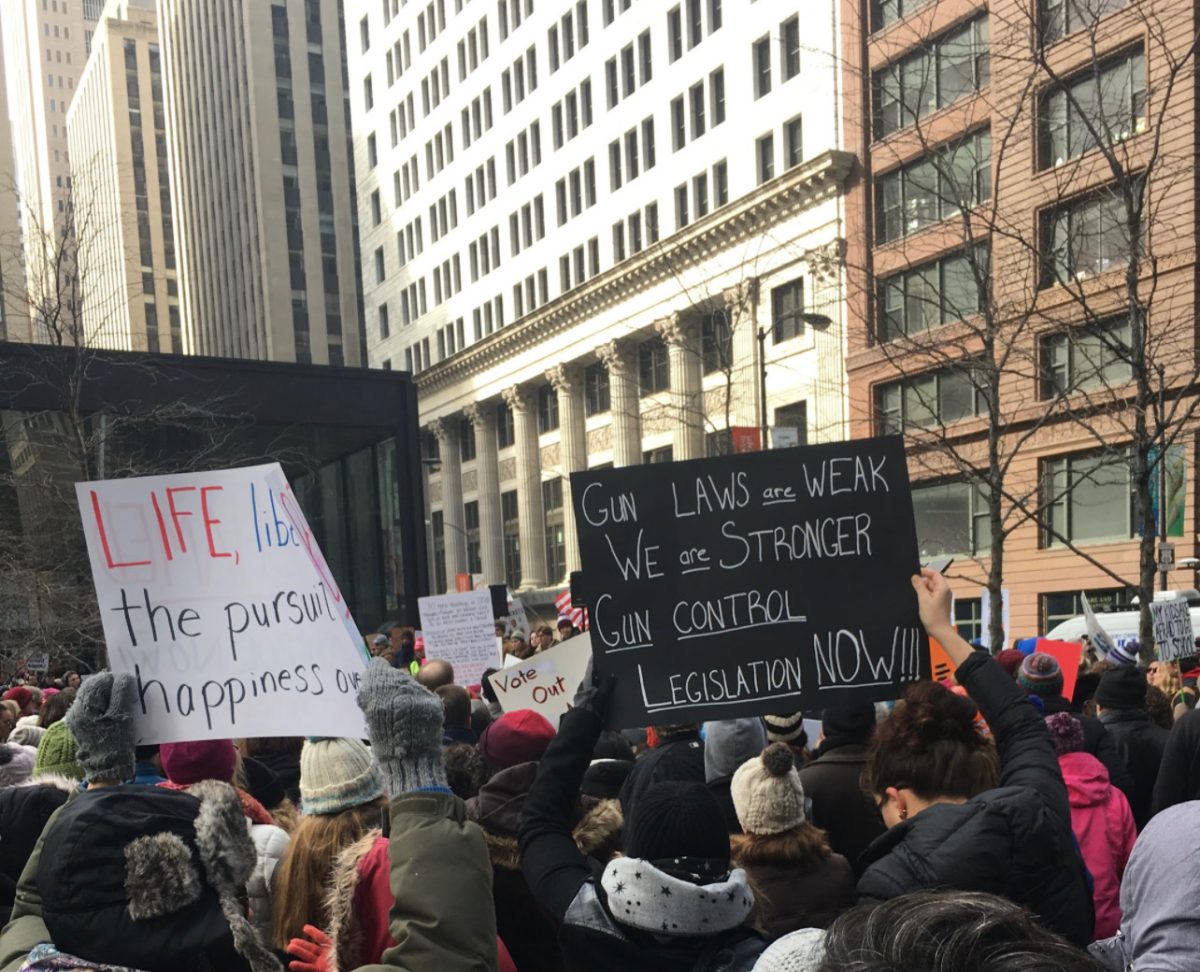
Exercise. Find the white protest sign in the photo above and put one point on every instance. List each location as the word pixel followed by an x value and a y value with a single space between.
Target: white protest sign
pixel 39 662
pixel 518 619
pixel 1173 636
pixel 546 682
pixel 215 596
pixel 459 628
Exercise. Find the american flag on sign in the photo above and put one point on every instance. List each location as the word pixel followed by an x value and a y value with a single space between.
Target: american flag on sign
pixel 578 615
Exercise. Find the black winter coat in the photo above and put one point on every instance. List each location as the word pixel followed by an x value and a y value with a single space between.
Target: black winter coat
pixel 1140 743
pixel 24 811
pixel 1014 840
pixel 566 885
pixel 1097 741
pixel 1179 772
pixel 839 806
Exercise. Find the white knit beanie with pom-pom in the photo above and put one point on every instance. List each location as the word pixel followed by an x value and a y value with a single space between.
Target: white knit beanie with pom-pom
pixel 767 794
pixel 799 951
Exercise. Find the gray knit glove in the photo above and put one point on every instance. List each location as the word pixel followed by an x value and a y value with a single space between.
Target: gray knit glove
pixel 101 720
pixel 404 723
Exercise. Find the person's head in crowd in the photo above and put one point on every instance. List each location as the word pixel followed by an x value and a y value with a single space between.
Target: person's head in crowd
pixel 263 783
pixel 465 771
pixel 481 716
pixel 1158 707
pixel 485 686
pixel 186 763
pixel 1126 653
pixel 9 713
pixel 57 753
pixel 501 629
pixel 612 761
pixel 545 637
pixel 54 708
pixel 26 735
pixel 379 642
pixel 100 726
pixel 1010 660
pixel 516 737
pixel 401 637
pixel 566 627
pixel 1121 688
pixel 1165 675
pixel 768 798
pixel 729 743
pixel 342 795
pixel 638 740
pixel 798 951
pixel 38 698
pixel 847 725
pixel 945 931
pixel 456 704
pixel 16 764
pixel 1040 675
pixel 23 697
pixel 72 680
pixel 517 647
pixel 929 750
pixel 1067 733
pixel 788 729
pixel 435 673
pixel 612 745
pixel 147 767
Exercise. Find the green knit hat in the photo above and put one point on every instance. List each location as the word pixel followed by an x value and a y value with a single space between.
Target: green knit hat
pixel 56 753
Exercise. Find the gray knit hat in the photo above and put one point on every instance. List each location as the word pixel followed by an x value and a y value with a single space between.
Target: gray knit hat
pixel 798 951
pixel 101 720
pixel 337 774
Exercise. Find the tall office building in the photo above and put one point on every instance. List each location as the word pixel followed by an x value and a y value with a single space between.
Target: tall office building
pixel 118 142
pixel 600 233
pixel 45 49
pixel 260 163
pixel 14 308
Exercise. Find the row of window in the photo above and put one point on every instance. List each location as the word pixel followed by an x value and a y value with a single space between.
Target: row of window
pixel 1056 18
pixel 523 152
pixel 569 34
pixel 519 80
pixel 621 82
pixel 526 226
pixel 484 254
pixel 634 223
pixel 480 186
pixel 473 49
pixel 572 268
pixel 695 109
pixel 626 148
pixel 575 110
pixel 477 117
pixel 694 24
pixel 699 194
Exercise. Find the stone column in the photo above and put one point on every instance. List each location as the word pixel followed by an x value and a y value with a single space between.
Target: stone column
pixel 446 431
pixel 568 383
pixel 487 468
pixel 625 402
pixel 741 311
pixel 529 487
pixel 687 394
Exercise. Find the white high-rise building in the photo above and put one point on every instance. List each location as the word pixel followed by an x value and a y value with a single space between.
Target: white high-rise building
pixel 600 232
pixel 258 139
pixel 14 308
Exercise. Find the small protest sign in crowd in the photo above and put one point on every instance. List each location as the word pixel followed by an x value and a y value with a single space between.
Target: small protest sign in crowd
pixel 749 738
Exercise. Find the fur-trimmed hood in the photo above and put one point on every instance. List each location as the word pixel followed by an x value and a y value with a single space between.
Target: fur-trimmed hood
pixel 345 930
pixel 598 828
pixel 55 780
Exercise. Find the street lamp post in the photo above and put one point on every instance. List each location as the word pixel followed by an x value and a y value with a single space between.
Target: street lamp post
pixel 821 321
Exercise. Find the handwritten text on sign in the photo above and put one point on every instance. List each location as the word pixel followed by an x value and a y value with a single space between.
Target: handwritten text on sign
pixel 461 629
pixel 1173 635
pixel 215 596
pixel 754 583
pixel 546 682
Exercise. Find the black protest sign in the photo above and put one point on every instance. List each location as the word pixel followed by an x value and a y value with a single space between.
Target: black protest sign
pixel 758 583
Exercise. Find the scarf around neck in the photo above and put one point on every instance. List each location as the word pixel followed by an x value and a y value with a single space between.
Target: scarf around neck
pixel 646 897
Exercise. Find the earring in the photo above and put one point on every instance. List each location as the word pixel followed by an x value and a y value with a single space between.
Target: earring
pixel 903 814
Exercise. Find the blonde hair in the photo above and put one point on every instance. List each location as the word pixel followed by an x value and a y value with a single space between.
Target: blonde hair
pixel 300 882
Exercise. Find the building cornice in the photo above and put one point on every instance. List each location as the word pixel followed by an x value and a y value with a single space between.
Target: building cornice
pixel 771 203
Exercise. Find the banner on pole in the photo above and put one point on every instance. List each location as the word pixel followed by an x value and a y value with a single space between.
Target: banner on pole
pixel 215 596
pixel 753 583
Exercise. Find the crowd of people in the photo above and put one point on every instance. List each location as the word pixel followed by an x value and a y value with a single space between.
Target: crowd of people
pixel 990 823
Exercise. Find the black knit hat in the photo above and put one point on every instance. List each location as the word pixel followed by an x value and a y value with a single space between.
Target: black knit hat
pixel 1122 688
pixel 849 721
pixel 674 819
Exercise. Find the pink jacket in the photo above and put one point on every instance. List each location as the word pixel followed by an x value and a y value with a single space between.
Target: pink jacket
pixel 1103 825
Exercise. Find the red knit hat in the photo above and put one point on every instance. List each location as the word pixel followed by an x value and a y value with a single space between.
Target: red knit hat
pixel 186 763
pixel 1010 660
pixel 516 737
pixel 19 694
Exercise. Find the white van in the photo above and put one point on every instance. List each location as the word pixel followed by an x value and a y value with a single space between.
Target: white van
pixel 1122 626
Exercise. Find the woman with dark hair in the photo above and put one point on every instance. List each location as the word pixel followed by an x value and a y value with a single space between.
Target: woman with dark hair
pixel 55 707
pixel 958 818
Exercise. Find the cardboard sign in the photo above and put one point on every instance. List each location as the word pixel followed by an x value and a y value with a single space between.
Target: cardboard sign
pixel 1173 635
pixel 215 596
pixel 460 629
pixel 754 583
pixel 547 682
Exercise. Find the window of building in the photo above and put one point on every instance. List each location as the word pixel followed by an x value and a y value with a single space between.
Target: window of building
pixel 761 56
pixel 661 454
pixel 674 34
pixel 1087 497
pixel 1057 18
pixel 695 26
pixel 968 618
pixel 644 56
pixel 510 516
pixel 379 265
pixel 1085 237
pixel 596 391
pixel 764 157
pixel 924 401
pixel 547 409
pixel 654 372
pixel 716 89
pixel 952 518
pixel 794 420
pixel 940 292
pixel 556 537
pixel 934 188
pixel 700 194
pixel 681 206
pixel 716 343
pixel 793 143
pixel 384 329
pixel 376 208
pixel 466 440
pixel 1107 104
pixel 1086 358
pixel 364 34
pixel 886 12
pixel 696 95
pixel 471 529
pixel 505 431
pixel 789 47
pixel 951 67
pixel 437 524
pixel 678 124
pixel 787 311
pixel 1065 605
